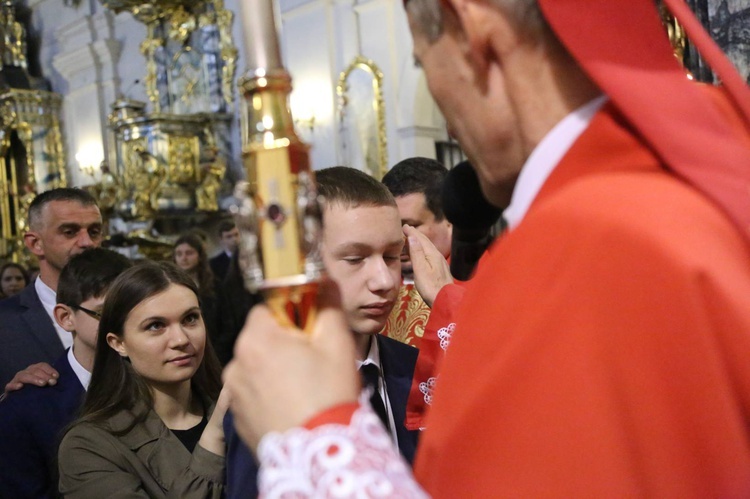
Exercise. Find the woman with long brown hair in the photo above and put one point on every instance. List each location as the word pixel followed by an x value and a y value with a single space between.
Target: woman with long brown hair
pixel 13 278
pixel 148 426
pixel 190 256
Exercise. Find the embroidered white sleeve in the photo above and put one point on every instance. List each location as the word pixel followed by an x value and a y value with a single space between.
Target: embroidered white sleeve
pixel 333 460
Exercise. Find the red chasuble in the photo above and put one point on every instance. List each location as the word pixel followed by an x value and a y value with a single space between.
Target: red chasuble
pixel 603 349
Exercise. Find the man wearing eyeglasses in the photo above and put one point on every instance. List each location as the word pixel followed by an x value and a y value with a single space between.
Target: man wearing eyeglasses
pixel 33 419
pixel 62 223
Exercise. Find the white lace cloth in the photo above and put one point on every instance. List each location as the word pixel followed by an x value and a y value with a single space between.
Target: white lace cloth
pixel 445 334
pixel 334 460
pixel 428 387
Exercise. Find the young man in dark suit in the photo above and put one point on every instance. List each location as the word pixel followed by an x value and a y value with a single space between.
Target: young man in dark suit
pixel 32 419
pixel 361 249
pixel 62 223
pixel 229 237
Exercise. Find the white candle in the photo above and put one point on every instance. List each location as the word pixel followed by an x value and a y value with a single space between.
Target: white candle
pixel 259 34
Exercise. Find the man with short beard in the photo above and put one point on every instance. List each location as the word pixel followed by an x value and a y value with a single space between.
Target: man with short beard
pixel 62 223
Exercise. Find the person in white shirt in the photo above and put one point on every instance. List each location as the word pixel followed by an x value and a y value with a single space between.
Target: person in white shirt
pixel 62 223
pixel 32 418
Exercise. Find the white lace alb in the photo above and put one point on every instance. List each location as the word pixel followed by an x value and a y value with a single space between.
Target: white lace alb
pixel 334 460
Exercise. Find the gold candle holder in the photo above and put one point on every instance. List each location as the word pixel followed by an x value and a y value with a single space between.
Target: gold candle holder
pixel 278 213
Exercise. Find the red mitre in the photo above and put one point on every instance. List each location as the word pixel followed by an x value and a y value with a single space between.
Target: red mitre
pixel 622 47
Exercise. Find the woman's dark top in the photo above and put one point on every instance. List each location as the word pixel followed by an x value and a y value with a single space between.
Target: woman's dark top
pixel 190 437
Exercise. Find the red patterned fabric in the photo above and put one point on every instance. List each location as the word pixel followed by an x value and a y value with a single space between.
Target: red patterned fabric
pixel 407 320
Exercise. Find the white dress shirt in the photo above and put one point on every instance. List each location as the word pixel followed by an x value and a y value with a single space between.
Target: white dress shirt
pixel 83 375
pixel 373 357
pixel 49 299
pixel 545 157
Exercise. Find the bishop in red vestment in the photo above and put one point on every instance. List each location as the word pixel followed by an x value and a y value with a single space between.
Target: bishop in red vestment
pixel 602 348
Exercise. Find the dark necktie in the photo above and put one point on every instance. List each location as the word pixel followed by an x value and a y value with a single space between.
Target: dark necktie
pixel 370 375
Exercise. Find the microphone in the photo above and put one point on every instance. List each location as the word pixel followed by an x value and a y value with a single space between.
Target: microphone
pixel 472 217
pixel 126 93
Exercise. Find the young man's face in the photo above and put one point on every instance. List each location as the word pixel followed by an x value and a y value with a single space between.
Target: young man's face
pixel 230 239
pixel 361 250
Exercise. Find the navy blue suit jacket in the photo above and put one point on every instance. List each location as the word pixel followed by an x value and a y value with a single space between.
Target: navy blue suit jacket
pixel 31 422
pixel 220 265
pixel 397 360
pixel 27 335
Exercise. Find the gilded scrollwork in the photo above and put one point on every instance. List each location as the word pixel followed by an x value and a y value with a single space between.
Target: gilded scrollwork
pixel 26 136
pixel 109 189
pixel 14 37
pixel 36 160
pixel 53 148
pixel 148 48
pixel 675 32
pixel 183 159
pixel 190 64
pixel 7 124
pixel 181 25
pixel 144 174
pixel 25 197
pixel 190 54
pixel 228 51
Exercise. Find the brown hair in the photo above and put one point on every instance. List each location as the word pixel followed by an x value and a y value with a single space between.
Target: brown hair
pixel 350 187
pixel 14 265
pixel 204 273
pixel 115 385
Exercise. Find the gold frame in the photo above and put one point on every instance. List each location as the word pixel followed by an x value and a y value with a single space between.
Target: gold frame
pixel 369 66
pixel 28 113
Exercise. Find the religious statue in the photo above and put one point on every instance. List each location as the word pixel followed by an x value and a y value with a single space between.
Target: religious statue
pixel 14 37
pixel 212 168
pixel 110 189
pixel 143 177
